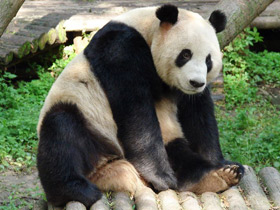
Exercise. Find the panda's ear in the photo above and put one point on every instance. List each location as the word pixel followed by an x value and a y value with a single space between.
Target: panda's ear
pixel 167 14
pixel 218 20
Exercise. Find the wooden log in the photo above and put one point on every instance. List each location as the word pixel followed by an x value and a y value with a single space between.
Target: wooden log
pixel 271 179
pixel 102 204
pixel 211 201
pixel 189 201
pixel 122 201
pixel 253 191
pixel 52 36
pixel 8 10
pixel 6 58
pixel 169 200
pixel 43 39
pixel 240 13
pixel 19 40
pixel 25 32
pixel 19 51
pixel 34 45
pixel 146 200
pixel 61 32
pixel 266 22
pixel 37 28
pixel 74 205
pixel 80 22
pixel 234 199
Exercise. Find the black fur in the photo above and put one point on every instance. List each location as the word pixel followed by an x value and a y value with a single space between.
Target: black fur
pixel 188 165
pixel 218 20
pixel 197 118
pixel 67 153
pixel 167 14
pixel 184 56
pixel 209 63
pixel 200 152
pixel 121 59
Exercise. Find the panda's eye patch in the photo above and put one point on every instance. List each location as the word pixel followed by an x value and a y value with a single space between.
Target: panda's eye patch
pixel 184 56
pixel 209 63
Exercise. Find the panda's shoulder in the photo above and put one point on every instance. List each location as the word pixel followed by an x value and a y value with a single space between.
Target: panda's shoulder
pixel 117 38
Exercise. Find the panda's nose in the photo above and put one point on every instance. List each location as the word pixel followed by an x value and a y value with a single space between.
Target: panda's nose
pixel 196 84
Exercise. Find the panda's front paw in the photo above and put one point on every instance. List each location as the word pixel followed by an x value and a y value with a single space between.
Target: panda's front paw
pixel 240 168
pixel 218 180
pixel 231 174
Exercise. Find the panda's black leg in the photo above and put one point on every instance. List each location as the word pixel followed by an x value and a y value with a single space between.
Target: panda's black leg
pixel 196 116
pixel 66 154
pixel 189 166
pixel 196 174
pixel 122 61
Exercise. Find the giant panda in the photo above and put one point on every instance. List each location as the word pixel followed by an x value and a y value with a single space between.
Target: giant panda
pixel 134 110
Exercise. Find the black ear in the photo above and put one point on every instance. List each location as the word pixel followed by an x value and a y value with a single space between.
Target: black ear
pixel 167 14
pixel 218 20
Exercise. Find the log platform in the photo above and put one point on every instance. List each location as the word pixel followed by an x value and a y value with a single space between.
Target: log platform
pixel 260 192
pixel 41 24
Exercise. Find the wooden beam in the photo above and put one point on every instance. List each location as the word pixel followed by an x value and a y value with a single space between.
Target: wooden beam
pixel 240 13
pixel 8 10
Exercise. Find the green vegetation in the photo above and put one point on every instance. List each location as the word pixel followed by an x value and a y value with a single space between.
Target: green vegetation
pixel 20 104
pixel 249 124
pixel 21 197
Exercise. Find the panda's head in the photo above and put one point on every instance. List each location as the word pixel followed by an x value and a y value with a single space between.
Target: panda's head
pixel 185 48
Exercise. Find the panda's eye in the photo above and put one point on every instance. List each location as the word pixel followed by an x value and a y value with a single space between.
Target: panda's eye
pixel 187 55
pixel 184 56
pixel 209 63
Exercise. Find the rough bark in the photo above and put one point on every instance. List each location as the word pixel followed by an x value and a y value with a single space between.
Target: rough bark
pixel 271 179
pixel 240 13
pixel 211 201
pixel 8 10
pixel 252 190
pixel 169 200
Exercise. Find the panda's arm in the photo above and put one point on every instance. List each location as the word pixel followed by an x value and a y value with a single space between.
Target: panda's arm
pixel 196 116
pixel 121 60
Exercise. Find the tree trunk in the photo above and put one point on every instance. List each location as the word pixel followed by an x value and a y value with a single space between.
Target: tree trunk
pixel 8 10
pixel 240 13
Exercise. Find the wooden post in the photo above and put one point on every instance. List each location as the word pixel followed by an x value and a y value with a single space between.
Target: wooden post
pixel 240 13
pixel 8 10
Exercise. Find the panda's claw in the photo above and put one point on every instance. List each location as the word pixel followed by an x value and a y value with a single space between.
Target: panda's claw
pixel 234 167
pixel 239 175
pixel 226 167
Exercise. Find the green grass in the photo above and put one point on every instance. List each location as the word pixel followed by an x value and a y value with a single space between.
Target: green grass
pixel 21 198
pixel 249 124
pixel 20 104
pixel 251 134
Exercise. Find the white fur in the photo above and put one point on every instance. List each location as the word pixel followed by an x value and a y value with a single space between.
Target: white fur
pixel 167 116
pixel 90 98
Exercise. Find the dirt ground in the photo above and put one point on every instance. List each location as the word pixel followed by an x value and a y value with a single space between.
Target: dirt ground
pixel 20 191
